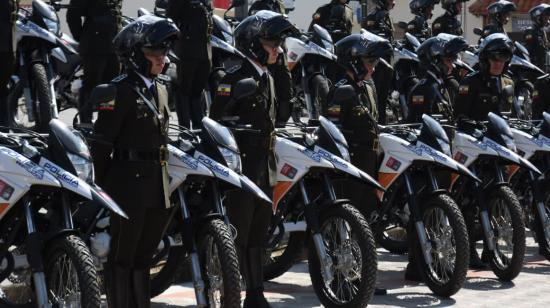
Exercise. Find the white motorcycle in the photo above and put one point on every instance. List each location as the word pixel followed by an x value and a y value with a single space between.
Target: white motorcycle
pixel 45 263
pixel 486 151
pixel 533 143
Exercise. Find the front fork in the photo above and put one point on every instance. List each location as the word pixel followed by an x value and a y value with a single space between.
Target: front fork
pixel 34 256
pixel 539 203
pixel 191 247
pixel 312 220
pixel 488 232
pixel 416 214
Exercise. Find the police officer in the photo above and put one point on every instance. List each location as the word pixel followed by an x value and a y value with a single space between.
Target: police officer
pixel 259 37
pixel 284 91
pixel 378 21
pixel 499 15
pixel 430 95
pixel 448 22
pixel 8 16
pixel 129 152
pixel 336 17
pixel 358 55
pixel 422 10
pixel 194 19
pixel 276 6
pixel 488 89
pixel 95 33
pixel 535 37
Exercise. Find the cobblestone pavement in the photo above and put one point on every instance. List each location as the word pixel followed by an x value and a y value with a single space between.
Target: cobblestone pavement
pixel 530 289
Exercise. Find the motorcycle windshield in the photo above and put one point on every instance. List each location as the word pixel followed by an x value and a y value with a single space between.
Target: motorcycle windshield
pixel 44 10
pixel 72 142
pixel 221 24
pixel 545 131
pixel 500 131
pixel 412 40
pixel 433 134
pixel 333 131
pixel 322 33
pixel 521 51
pixel 221 134
pixel 525 64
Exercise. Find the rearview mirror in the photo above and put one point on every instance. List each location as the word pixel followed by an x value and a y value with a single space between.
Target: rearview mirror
pixel 344 93
pixel 402 25
pixel 161 4
pixel 478 31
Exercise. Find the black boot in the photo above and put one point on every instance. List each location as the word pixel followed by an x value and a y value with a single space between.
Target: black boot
pixel 411 272
pixel 475 262
pixel 255 281
pixel 116 286
pixel 141 288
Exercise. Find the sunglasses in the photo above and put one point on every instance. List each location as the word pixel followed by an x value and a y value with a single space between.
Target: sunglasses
pixel 155 51
pixel 500 56
pixel 272 43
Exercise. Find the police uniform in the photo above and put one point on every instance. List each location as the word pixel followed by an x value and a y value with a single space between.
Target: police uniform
pixel 132 126
pixel 334 16
pixel 194 19
pixel 8 16
pixel 379 23
pixel 250 216
pixel 384 84
pixel 429 96
pixel 419 28
pixel 541 98
pixel 479 94
pixel 284 91
pixel 447 23
pixel 276 6
pixel 536 42
pixel 358 120
pixel 95 33
pixel 492 28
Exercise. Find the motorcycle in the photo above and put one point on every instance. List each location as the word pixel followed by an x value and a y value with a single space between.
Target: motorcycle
pixel 486 150
pixel 309 56
pixel 341 249
pixel 42 54
pixel 533 144
pixel 415 157
pixel 524 73
pixel 47 264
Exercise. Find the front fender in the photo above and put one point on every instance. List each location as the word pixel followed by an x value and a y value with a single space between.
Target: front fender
pixel 330 203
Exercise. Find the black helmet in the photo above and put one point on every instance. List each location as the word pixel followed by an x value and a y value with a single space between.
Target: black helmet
pixel 382 4
pixel 338 1
pixel 538 12
pixel 495 45
pixel 499 8
pixel 351 49
pixel 450 5
pixel 264 25
pixel 148 31
pixel 418 7
pixel 433 50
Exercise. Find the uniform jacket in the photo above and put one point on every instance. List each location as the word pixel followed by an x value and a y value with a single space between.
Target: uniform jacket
pixel 479 94
pixel 447 23
pixel 276 6
pixel 419 28
pixel 125 123
pixel 429 96
pixel 379 23
pixel 537 44
pixel 334 16
pixel 8 15
pixel 194 19
pixel 94 24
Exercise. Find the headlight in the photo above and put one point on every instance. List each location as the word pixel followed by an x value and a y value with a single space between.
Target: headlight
pixel 344 151
pixel 84 168
pixel 52 25
pixel 232 159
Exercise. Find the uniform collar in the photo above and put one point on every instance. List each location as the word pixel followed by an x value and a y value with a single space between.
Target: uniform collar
pixel 148 82
pixel 261 71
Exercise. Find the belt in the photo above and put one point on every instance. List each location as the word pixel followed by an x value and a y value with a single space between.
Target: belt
pixel 135 155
